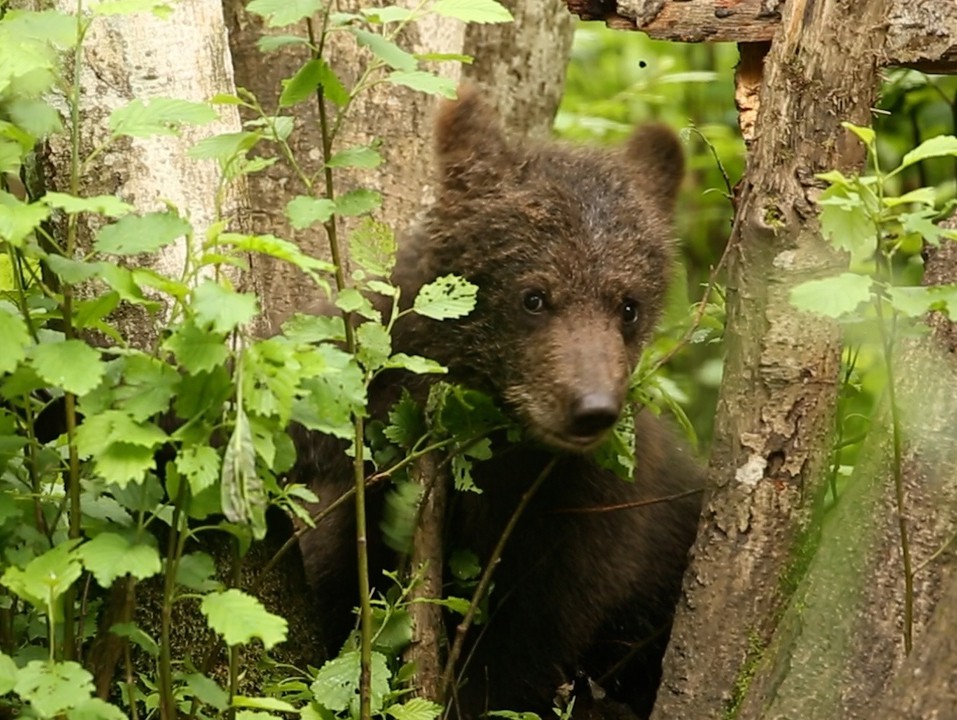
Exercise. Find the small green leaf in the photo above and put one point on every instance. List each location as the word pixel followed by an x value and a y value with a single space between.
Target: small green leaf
pixel 358 157
pixel 135 234
pixel 446 297
pixel 240 617
pixel 8 673
pixel 52 688
pixel 416 364
pixel 243 496
pixel 387 14
pixel 866 134
pixel 93 708
pixel 46 577
pixel 279 13
pixel 18 220
pixel 99 204
pixel 197 350
pixel 304 211
pixel 221 308
pixel 207 690
pixel 300 86
pixel 159 8
pixel 375 345
pixel 351 300
pixel 834 296
pixel 916 301
pixel 224 147
pixel 159 116
pixel 271 43
pixel 111 555
pixel 424 82
pixel 358 201
pixel 16 338
pixel 331 85
pixel 71 364
pixel 197 571
pixel 264 703
pixel 934 147
pixel 200 466
pixel 337 683
pixel 384 49
pixel 473 11
pixel 846 224
pixel 372 247
pixel 137 636
pixel 406 422
pixel 415 709
pixel 122 463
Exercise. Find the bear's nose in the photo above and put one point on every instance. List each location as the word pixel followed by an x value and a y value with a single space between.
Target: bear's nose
pixel 594 413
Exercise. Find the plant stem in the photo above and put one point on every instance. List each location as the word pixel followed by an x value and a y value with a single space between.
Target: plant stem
pixel 462 628
pixel 167 701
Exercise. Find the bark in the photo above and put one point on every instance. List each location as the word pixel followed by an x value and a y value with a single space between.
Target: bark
pixel 921 33
pixel 775 410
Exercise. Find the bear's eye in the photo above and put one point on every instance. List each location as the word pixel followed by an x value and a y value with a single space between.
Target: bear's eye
pixel 629 311
pixel 533 301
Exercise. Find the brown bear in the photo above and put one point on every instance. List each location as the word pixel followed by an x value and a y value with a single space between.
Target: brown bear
pixel 571 251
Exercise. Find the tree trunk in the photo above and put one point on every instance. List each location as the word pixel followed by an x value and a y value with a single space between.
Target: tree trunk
pixel 776 405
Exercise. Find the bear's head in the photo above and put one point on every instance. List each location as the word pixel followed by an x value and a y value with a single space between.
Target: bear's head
pixel 571 250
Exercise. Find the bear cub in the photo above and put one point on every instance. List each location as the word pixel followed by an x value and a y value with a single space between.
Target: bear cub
pixel 571 250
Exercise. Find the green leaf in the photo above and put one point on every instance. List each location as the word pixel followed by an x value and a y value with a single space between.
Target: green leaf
pixel 18 220
pixel 264 703
pixel 159 8
pixel 279 13
pixel 332 86
pixel 224 147
pixel 97 432
pixel 834 296
pixel 197 571
pixel 351 300
pixel 384 49
pixel 110 555
pixel 304 211
pixel 846 224
pixel 93 708
pixel 197 350
pixel 934 147
pixel 99 204
pixel 131 632
pixel 406 422
pixel 52 688
pixel 46 577
pixel 358 201
pixel 415 709
pixel 372 247
pixel 337 683
pixel 473 11
pixel 424 82
pixel 866 134
pixel 159 116
pixel 200 465
pixel 300 86
pixel 240 617
pixel 310 329
pixel 16 337
pixel 357 157
pixel 416 364
pixel 122 463
pixel 387 14
pixel 222 308
pixel 446 297
pixel 375 345
pixel 916 301
pixel 135 234
pixel 8 673
pixel 207 690
pixel 70 364
pixel 243 496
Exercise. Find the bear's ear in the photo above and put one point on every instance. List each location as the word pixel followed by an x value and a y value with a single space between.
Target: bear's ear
pixel 655 153
pixel 471 147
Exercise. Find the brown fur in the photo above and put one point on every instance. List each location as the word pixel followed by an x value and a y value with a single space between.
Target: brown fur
pixel 590 574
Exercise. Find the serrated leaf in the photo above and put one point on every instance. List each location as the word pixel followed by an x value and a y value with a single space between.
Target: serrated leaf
pixel 916 301
pixel 416 364
pixel 111 555
pixel 473 11
pixel 279 13
pixel 387 14
pixel 372 247
pixel 304 211
pixel 243 496
pixel 938 146
pixel 72 271
pixel 95 709
pixel 375 345
pixel 222 309
pixel 357 157
pixel 415 709
pixel 865 134
pixel 834 296
pixel 122 463
pixel 100 204
pixel 358 201
pixel 384 49
pixel 332 87
pixel 406 422
pixel 446 297
pixel 300 86
pixel 224 147
pixel 200 466
pixel 46 577
pixel 302 328
pixel 70 364
pixel 846 224
pixel 197 571
pixel 337 683
pixel 351 300
pixel 53 687
pixel 240 617
pixel 135 234
pixel 207 690
pixel 18 220
pixel 278 248
pixel 159 116
pixel 16 338
pixel 8 674
pixel 424 82
pixel 197 350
